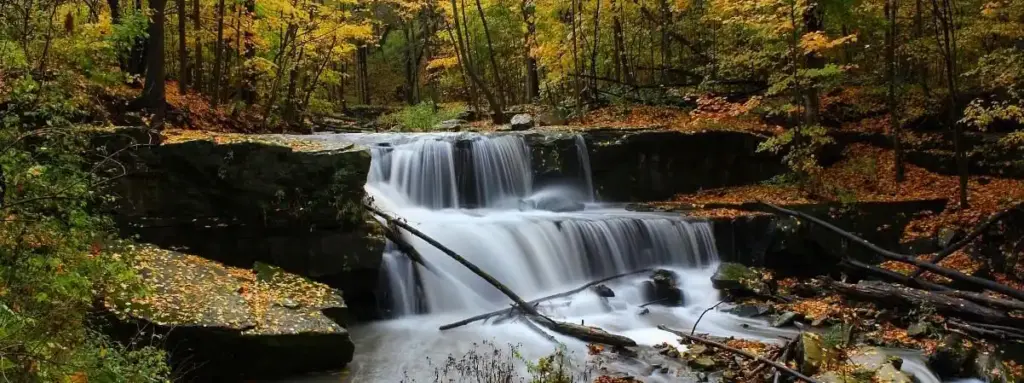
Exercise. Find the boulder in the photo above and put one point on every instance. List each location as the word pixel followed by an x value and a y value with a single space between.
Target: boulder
pixel 662 288
pixel 603 291
pixel 522 121
pixel 222 323
pixel 785 319
pixel 947 236
pixel 736 278
pixel 749 310
pixel 455 125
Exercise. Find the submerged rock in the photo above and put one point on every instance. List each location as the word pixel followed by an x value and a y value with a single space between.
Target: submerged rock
pixel 749 310
pixel 952 358
pixel 224 323
pixel 557 204
pixel 785 319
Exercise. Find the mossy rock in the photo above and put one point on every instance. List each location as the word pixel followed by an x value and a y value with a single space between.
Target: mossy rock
pixel 734 277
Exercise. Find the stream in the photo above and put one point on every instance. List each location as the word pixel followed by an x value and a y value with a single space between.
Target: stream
pixel 479 199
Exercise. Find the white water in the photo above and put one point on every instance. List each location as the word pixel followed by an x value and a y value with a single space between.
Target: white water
pixel 534 253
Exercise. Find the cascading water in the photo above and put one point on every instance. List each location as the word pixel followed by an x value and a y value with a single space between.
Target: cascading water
pixel 431 180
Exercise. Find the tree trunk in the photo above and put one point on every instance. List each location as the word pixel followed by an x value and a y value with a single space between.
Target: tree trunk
pixel 218 55
pixel 197 70
pixel 248 89
pixel 497 115
pixel 182 49
pixel 153 95
pixel 115 11
pixel 891 10
pixel 362 74
pixel 813 22
pixel 621 64
pixel 881 292
pixel 945 20
pixel 593 50
pixel 529 9
pixel 922 67
pixel 490 53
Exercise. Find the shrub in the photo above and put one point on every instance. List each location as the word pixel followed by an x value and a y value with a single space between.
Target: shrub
pixel 421 117
pixel 488 363
pixel 56 257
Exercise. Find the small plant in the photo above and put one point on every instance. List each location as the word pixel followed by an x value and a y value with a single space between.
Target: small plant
pixel 486 362
pixel 421 117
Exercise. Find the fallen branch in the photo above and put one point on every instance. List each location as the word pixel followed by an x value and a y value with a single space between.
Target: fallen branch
pixel 1006 304
pixel 980 331
pixel 946 272
pixel 911 297
pixel 694 329
pixel 978 230
pixel 785 356
pixel 745 354
pixel 584 333
pixel 539 300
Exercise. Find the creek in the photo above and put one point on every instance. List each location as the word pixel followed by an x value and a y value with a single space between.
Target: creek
pixel 480 200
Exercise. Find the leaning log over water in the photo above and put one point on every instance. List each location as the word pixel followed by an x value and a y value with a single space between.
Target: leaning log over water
pixel 943 271
pixel 584 333
pixel 539 300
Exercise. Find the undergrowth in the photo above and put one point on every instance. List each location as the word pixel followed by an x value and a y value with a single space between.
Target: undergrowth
pixel 421 117
pixel 487 362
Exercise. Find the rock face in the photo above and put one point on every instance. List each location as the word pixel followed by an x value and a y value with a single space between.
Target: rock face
pixel 522 121
pixel 226 324
pixel 291 204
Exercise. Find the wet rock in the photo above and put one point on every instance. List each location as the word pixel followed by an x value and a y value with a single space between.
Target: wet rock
pixel 747 310
pixel 289 303
pixel 818 322
pixel 455 125
pixel 604 291
pixel 813 353
pixel 661 288
pixel 702 363
pixel 952 358
pixel 734 277
pixel 785 319
pixel 947 236
pixel 522 121
pixel 878 364
pixel 919 328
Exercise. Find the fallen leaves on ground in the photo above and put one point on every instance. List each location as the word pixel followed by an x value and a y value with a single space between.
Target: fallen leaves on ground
pixel 711 113
pixel 176 136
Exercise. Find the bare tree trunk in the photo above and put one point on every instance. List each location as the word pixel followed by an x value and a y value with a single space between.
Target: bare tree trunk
pixel 197 71
pixel 621 64
pixel 497 115
pixel 153 95
pixel 490 53
pixel 182 48
pixel 945 20
pixel 593 50
pixel 891 10
pixel 529 9
pixel 247 91
pixel 922 67
pixel 218 55
pixel 813 22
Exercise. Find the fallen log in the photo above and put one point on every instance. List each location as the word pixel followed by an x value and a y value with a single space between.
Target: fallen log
pixel 946 272
pixel 907 296
pixel 1005 304
pixel 539 300
pixel 981 331
pixel 978 230
pixel 584 333
pixel 777 365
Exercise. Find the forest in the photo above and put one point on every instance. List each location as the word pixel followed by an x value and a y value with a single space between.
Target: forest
pixel 856 100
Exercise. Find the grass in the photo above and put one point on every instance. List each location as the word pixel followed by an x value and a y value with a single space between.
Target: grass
pixel 421 117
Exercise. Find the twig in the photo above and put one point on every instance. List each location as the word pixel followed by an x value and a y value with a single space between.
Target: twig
pixel 694 329
pixel 742 353
pixel 978 230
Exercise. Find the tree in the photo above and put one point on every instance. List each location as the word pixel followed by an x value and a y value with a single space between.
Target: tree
pixel 153 94
pixel 945 34
pixel 183 79
pixel 891 10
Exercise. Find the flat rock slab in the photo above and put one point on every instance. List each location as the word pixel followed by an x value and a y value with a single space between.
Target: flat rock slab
pixel 230 323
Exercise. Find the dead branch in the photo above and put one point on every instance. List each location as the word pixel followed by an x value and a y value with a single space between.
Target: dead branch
pixel 694 329
pixel 946 272
pixel 906 296
pixel 742 353
pixel 1006 304
pixel 539 300
pixel 584 333
pixel 978 230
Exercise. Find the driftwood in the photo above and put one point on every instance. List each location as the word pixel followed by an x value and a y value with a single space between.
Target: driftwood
pixel 778 366
pixel 539 300
pixel 785 356
pixel 908 296
pixel 978 230
pixel 1005 304
pixel 584 333
pixel 946 272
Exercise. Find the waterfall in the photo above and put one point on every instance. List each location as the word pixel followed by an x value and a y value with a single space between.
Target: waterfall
pixel 429 182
